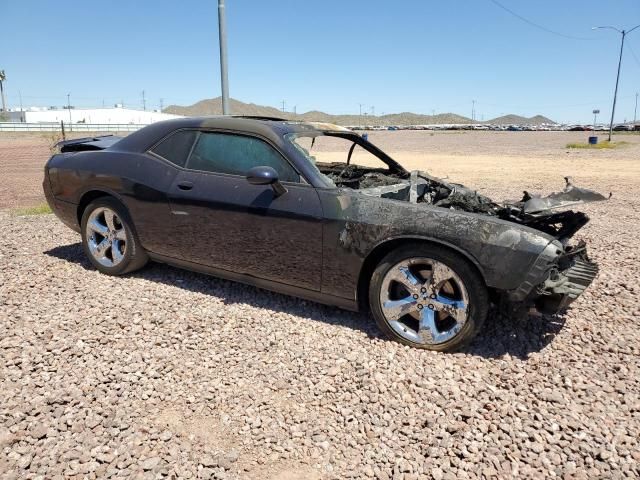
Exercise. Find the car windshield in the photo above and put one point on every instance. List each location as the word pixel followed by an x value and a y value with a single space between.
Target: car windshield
pixel 299 140
pixel 328 151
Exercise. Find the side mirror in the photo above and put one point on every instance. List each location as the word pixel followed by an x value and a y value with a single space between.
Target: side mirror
pixel 264 175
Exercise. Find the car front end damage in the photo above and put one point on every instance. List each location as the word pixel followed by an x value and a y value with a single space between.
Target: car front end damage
pixel 567 280
pixel 559 275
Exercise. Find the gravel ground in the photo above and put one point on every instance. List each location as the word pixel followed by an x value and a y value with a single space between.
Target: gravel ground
pixel 167 372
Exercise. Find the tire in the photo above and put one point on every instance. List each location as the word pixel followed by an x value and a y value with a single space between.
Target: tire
pixel 109 238
pixel 434 315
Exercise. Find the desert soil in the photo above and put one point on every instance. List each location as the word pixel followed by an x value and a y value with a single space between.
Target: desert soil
pixel 167 372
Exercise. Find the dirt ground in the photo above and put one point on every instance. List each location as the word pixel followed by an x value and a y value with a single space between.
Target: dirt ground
pixel 22 159
pixel 167 372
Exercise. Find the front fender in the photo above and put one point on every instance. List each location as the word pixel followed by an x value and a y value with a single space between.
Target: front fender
pixel 432 240
pixel 503 252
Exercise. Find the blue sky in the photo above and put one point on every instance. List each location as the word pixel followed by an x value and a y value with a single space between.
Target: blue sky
pixel 407 55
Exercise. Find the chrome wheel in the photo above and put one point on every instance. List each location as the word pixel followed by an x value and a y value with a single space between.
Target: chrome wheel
pixel 106 237
pixel 424 301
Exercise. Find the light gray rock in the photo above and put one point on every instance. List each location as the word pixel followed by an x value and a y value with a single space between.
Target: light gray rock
pixel 150 463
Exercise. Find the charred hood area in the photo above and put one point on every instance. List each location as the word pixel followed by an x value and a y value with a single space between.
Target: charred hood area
pixel 548 214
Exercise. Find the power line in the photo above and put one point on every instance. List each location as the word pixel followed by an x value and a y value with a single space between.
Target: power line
pixel 634 55
pixel 533 24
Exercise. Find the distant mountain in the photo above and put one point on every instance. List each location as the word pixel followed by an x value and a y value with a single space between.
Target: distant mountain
pixel 213 106
pixel 518 120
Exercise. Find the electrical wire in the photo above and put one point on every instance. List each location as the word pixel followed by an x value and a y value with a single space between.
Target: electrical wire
pixel 533 24
pixel 634 55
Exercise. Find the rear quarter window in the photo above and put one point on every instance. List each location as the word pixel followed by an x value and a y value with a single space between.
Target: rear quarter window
pixel 176 147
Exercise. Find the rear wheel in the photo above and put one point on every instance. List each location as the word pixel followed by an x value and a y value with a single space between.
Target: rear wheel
pixel 428 297
pixel 109 239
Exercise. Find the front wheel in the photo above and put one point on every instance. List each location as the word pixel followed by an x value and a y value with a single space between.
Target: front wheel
pixel 428 297
pixel 109 239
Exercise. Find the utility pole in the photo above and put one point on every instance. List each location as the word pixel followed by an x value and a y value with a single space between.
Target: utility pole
pixel 224 77
pixel 283 103
pixel 623 34
pixel 144 102
pixel 615 93
pixel 635 110
pixel 360 114
pixel 69 108
pixel 473 111
pixel 21 109
pixel 3 77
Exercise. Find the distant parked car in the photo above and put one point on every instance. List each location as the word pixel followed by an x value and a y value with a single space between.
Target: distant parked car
pixel 245 199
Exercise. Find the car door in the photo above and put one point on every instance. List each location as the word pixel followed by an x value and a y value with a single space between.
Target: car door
pixel 224 222
pixel 148 203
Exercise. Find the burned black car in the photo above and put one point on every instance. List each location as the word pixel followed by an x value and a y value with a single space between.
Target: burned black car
pixel 249 199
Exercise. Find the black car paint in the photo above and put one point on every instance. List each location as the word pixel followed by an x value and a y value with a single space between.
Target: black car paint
pixel 226 223
pixel 312 242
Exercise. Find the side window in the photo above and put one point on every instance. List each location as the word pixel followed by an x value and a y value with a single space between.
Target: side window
pixel 235 154
pixel 176 147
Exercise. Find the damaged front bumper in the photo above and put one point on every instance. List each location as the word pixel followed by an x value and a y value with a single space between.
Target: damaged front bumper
pixel 566 281
pixel 558 277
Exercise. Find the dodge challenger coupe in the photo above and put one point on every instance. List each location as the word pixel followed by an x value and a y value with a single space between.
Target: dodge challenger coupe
pixel 247 199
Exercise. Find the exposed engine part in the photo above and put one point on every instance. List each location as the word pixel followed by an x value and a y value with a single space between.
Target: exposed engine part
pixel 419 187
pixel 357 177
pixel 464 199
pixel 562 225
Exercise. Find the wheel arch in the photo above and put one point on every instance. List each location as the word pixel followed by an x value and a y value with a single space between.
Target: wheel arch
pixel 91 195
pixel 383 248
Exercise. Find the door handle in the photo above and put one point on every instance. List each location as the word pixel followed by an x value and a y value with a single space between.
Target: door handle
pixel 185 185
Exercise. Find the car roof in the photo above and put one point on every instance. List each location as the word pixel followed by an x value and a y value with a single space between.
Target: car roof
pixel 250 123
pixel 269 127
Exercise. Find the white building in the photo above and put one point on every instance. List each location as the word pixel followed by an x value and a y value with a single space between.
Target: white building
pixel 110 116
